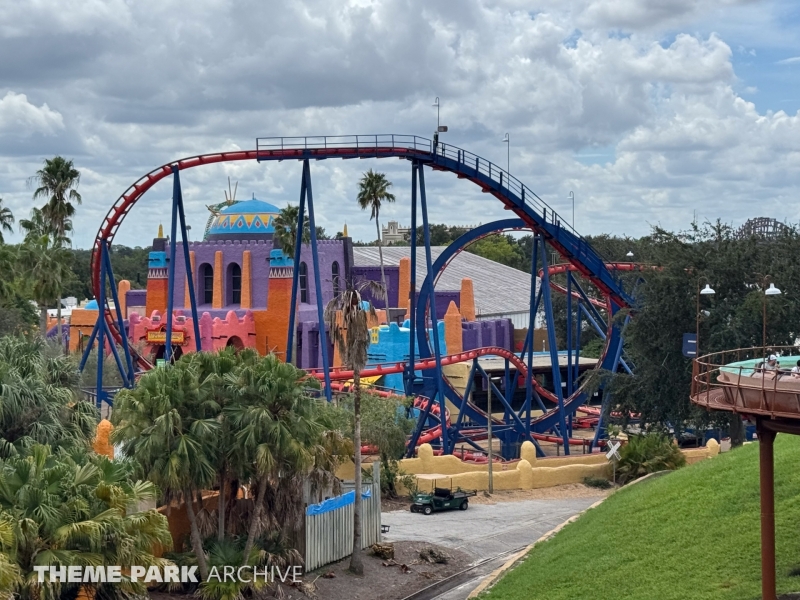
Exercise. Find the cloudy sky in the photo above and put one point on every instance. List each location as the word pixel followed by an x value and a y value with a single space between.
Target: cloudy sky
pixel 648 110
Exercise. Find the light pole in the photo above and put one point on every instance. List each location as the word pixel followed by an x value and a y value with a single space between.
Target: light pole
pixel 572 196
pixel 507 141
pixel 770 291
pixel 436 104
pixel 706 291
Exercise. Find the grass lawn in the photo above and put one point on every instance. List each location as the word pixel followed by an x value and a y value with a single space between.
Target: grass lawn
pixel 690 534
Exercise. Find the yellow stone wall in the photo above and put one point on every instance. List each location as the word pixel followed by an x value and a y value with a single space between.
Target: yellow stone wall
pixel 528 473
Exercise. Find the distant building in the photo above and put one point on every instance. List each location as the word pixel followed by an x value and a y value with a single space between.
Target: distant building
pixel 393 232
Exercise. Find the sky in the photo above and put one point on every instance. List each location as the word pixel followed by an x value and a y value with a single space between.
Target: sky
pixel 652 112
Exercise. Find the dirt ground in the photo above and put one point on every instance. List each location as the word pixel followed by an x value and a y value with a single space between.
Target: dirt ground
pixel 571 490
pixel 393 582
pixel 385 582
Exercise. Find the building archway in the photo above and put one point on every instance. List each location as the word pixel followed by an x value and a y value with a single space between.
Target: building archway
pixel 235 342
pixel 177 352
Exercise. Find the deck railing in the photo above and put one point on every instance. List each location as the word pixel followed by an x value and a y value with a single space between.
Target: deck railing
pixel 719 383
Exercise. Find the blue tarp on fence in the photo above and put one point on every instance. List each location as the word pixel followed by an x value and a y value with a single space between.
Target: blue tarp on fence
pixel 337 502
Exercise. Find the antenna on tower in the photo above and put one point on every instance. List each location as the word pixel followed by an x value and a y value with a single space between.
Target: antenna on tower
pixel 230 195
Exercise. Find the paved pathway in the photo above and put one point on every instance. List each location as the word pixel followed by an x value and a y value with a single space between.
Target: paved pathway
pixel 484 531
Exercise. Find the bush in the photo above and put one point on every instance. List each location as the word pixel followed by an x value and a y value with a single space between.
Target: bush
pixel 645 454
pixel 597 482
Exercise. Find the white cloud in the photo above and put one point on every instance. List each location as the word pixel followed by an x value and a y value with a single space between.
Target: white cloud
pixel 140 84
pixel 789 61
pixel 18 116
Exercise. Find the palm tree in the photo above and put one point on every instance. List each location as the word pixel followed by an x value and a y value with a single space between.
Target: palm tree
pixel 277 432
pixel 285 225
pixel 6 220
pixel 39 399
pixel 9 571
pixel 47 268
pixel 213 369
pixel 38 226
pixel 57 181
pixel 373 189
pixel 346 319
pixel 72 508
pixel 168 427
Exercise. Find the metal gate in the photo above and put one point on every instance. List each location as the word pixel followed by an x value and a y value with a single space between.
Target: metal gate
pixel 329 524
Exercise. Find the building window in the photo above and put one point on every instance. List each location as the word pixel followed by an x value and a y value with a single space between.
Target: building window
pixel 335 278
pixel 235 283
pixel 207 278
pixel 303 282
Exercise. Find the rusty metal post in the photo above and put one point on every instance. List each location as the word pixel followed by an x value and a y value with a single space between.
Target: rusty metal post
pixel 766 441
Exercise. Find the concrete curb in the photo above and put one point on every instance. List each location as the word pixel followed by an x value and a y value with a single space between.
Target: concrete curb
pixel 493 577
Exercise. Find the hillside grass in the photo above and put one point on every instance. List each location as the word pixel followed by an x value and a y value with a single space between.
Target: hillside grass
pixel 693 533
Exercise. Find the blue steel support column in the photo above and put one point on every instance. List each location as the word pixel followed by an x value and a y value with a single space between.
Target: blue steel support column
pixel 177 196
pixel 434 322
pixel 551 338
pixel 570 381
pixel 298 244
pixel 569 334
pixel 578 326
pixel 120 321
pixel 171 279
pixel 533 309
pixel 598 434
pixel 463 406
pixel 101 332
pixel 88 347
pixel 323 335
pixel 412 300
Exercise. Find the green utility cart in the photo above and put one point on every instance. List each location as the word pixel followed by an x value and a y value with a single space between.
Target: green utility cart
pixel 442 499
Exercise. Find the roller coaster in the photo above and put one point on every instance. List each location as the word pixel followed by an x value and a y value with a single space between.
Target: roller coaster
pixel 535 420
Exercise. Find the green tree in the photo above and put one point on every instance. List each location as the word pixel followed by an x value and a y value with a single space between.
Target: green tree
pixel 346 317
pixel 373 191
pixel 666 293
pixel 171 432
pixel 39 401
pixel 285 225
pixel 6 220
pixel 17 314
pixel 74 508
pixel 215 371
pixel 385 427
pixel 276 429
pixel 501 249
pixel 57 182
pixel 46 268
pixel 226 420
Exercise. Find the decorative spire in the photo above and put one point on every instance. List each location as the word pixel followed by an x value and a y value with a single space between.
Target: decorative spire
pixel 160 231
pixel 344 232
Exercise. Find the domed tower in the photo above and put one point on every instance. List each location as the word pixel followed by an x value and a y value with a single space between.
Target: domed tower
pixel 248 220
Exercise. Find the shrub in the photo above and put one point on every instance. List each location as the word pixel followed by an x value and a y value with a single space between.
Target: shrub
pixel 645 454
pixel 597 482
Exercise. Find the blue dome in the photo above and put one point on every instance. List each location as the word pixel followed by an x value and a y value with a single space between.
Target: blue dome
pixel 91 305
pixel 250 220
